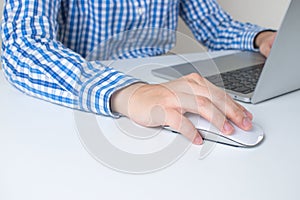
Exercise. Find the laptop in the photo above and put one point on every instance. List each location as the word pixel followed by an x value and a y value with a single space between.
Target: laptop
pixel 248 76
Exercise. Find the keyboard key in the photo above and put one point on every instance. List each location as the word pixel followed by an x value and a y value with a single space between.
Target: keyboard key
pixel 241 80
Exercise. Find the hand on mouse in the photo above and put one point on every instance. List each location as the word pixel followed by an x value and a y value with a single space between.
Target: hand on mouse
pixel 164 104
pixel 264 41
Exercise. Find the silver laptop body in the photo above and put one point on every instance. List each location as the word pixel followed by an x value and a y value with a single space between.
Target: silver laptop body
pixel 278 74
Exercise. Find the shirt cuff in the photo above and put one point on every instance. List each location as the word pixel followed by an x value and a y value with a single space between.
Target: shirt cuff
pixel 248 39
pixel 95 93
pixel 266 30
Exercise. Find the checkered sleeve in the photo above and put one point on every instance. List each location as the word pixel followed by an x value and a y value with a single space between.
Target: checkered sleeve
pixel 214 28
pixel 39 65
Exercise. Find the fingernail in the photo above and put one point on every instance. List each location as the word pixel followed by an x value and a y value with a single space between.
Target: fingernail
pixel 247 122
pixel 198 140
pixel 227 127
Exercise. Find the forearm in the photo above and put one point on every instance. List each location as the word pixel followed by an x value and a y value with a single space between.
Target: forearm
pixel 120 100
pixel 37 64
pixel 215 28
pixel 69 81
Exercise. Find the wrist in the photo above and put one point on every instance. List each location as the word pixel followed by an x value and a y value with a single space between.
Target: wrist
pixel 261 36
pixel 120 99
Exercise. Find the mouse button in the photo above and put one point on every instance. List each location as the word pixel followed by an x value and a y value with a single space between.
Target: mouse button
pixel 201 123
pixel 249 138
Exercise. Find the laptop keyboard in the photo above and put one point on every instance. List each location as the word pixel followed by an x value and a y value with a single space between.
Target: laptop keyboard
pixel 242 80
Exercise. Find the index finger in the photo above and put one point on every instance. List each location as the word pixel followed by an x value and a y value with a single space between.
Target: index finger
pixel 231 109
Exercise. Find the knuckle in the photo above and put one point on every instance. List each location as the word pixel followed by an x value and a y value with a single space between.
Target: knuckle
pixel 203 101
pixel 237 114
pixel 167 99
pixel 195 76
pixel 227 97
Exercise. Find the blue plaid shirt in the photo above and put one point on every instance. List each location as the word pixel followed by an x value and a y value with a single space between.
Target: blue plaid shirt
pixel 52 49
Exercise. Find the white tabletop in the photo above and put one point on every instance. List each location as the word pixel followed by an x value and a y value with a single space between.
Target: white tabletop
pixel 42 155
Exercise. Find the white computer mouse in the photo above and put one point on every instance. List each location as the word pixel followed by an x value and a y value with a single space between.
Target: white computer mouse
pixel 239 138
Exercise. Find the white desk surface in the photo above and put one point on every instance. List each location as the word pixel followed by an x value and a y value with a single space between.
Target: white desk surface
pixel 41 156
